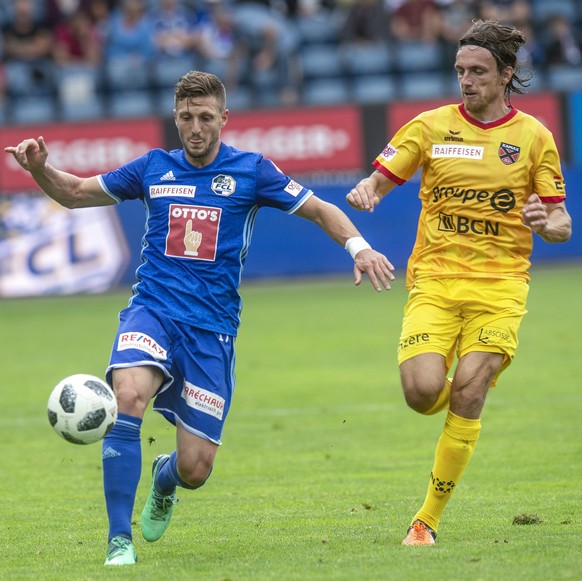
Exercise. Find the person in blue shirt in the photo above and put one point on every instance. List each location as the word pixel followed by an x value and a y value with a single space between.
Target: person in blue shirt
pixel 175 342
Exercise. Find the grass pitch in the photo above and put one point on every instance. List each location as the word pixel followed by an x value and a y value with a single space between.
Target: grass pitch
pixel 322 465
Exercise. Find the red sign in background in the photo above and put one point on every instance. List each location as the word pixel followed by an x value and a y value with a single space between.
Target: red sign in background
pixel 543 106
pixel 301 140
pixel 82 149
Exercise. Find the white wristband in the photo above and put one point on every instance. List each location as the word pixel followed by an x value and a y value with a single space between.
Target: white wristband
pixel 355 244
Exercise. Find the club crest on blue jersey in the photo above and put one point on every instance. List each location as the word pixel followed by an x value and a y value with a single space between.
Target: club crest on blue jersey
pixel 223 185
pixel 508 154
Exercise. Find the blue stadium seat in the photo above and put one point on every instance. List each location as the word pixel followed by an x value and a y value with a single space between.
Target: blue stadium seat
pixel 166 101
pixel 78 91
pixel 27 79
pixel 132 104
pixel 366 58
pixel 413 56
pixel 374 89
pixel 542 10
pixel 167 70
pixel 88 109
pixel 320 28
pixel 325 92
pixel 123 75
pixel 416 86
pixel 564 78
pixel 28 110
pixel 240 98
pixel 320 61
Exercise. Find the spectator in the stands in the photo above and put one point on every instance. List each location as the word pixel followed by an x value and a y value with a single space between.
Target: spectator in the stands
pixel 100 13
pixel 273 40
pixel 512 12
pixel 175 28
pixel 77 41
pixel 455 18
pixel 416 20
pixel 531 55
pixel 365 21
pixel 223 52
pixel 27 42
pixel 129 46
pixel 562 45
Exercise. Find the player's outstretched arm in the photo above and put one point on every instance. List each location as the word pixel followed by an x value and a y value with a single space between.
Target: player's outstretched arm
pixel 67 189
pixel 339 228
pixel 368 193
pixel 551 221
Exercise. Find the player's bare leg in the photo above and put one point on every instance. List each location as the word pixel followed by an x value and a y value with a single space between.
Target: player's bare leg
pixel 473 376
pixel 188 467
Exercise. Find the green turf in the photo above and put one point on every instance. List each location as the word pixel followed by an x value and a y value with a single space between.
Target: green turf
pixel 322 464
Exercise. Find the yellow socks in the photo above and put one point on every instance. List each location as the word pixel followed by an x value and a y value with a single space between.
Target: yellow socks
pixel 452 455
pixel 442 401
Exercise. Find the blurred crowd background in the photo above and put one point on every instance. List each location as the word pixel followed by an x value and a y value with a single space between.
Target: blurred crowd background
pixel 90 59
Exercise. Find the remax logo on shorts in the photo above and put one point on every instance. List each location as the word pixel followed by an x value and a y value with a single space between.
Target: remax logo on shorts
pixel 143 342
pixel 203 400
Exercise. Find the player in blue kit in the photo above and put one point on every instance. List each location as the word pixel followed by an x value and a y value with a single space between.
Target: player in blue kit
pixel 175 342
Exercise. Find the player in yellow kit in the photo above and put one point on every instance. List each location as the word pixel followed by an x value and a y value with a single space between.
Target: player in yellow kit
pixel 490 177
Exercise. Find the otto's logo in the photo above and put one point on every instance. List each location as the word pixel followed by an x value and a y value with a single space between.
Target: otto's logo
pixel 508 154
pixel 143 342
pixel 223 185
pixel 193 232
pixel 203 400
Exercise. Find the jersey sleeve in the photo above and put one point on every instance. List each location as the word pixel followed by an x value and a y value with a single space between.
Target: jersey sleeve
pixel 549 182
pixel 125 182
pixel 277 190
pixel 401 157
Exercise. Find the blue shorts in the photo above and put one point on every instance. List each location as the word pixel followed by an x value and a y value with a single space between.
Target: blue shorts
pixel 198 367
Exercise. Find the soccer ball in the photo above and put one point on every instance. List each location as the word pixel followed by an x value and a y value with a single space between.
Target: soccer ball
pixel 82 409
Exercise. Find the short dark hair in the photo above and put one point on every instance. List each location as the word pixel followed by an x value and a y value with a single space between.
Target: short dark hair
pixel 503 42
pixel 200 84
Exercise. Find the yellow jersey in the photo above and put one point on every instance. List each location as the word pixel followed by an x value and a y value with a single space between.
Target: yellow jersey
pixel 476 178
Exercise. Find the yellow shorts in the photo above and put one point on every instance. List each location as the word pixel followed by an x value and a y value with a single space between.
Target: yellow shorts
pixel 457 316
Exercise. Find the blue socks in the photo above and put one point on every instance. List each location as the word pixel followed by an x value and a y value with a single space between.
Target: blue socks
pixel 121 456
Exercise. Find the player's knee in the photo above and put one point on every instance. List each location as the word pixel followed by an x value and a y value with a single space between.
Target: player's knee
pixel 130 400
pixel 195 474
pixel 134 388
pixel 421 398
pixel 416 401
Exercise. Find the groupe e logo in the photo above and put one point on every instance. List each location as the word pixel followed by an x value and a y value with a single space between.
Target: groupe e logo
pixel 503 200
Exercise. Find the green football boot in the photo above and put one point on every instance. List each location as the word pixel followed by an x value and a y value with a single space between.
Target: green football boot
pixel 121 552
pixel 158 509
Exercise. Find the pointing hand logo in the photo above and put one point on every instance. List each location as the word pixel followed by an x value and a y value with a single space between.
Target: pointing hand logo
pixel 192 240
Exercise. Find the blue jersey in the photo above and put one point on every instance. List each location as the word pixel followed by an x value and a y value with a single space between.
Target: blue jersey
pixel 199 223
